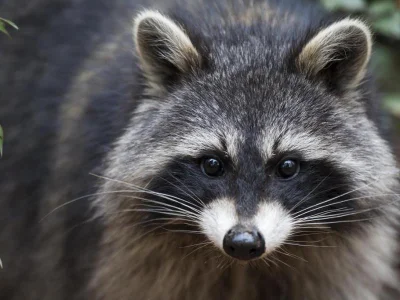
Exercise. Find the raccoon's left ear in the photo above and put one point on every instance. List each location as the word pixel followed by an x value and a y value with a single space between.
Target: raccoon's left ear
pixel 338 54
pixel 164 49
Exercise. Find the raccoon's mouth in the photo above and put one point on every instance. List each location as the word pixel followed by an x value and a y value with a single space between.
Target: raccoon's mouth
pixel 250 238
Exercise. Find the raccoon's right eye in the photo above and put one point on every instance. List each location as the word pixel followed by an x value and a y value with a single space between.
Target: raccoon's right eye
pixel 212 167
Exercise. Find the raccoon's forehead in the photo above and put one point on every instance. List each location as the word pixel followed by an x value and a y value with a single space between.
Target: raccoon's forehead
pixel 254 94
pixel 214 130
pixel 268 142
pixel 228 116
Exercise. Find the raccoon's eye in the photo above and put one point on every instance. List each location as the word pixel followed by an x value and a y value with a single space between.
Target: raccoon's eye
pixel 212 167
pixel 288 168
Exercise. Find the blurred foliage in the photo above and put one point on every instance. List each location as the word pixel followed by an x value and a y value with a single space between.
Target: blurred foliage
pixel 4 23
pixel 384 18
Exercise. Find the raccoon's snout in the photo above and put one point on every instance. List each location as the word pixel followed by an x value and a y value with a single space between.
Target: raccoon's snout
pixel 246 238
pixel 244 243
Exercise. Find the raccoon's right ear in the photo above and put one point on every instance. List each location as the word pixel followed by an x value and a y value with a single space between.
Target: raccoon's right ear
pixel 338 54
pixel 164 49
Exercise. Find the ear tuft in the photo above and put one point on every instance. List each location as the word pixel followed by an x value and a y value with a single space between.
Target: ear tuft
pixel 165 50
pixel 339 54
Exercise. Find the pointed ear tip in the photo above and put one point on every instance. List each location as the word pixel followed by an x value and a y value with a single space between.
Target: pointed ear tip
pixel 138 19
pixel 359 24
pixel 364 27
pixel 143 15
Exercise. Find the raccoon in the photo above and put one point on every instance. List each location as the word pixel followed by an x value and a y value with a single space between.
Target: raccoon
pixel 235 154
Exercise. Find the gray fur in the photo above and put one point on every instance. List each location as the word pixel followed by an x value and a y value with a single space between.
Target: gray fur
pixel 140 124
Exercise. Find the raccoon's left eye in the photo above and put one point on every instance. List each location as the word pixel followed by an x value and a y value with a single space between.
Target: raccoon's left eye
pixel 288 168
pixel 212 167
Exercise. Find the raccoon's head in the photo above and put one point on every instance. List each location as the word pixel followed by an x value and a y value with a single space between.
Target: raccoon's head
pixel 251 136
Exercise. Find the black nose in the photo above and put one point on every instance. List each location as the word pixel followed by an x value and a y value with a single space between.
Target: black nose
pixel 244 243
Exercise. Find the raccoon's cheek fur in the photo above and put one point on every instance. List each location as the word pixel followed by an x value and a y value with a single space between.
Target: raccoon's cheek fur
pixel 246 239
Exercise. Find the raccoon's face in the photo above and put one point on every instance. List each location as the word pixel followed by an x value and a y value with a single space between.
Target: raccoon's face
pixel 251 153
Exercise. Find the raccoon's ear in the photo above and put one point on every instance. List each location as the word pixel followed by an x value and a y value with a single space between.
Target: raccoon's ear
pixel 338 54
pixel 164 49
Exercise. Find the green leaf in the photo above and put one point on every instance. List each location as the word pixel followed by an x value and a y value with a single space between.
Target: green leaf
pixel 4 23
pixel 3 28
pixel 392 103
pixel 347 5
pixel 1 141
pixel 9 23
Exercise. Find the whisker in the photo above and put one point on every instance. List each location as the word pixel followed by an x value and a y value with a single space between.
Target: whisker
pixel 145 190
pixel 330 211
pixel 166 205
pixel 356 198
pixel 317 206
pixel 194 196
pixel 228 265
pixel 267 262
pixel 342 201
pixel 307 245
pixel 281 251
pixel 184 231
pixel 306 197
pixel 195 250
pixel 309 242
pixel 167 211
pixel 80 198
pixel 198 244
pixel 282 262
pixel 308 234
pixel 344 221
pixel 301 225
pixel 91 219
pixel 174 199
pixel 322 181
pixel 163 212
